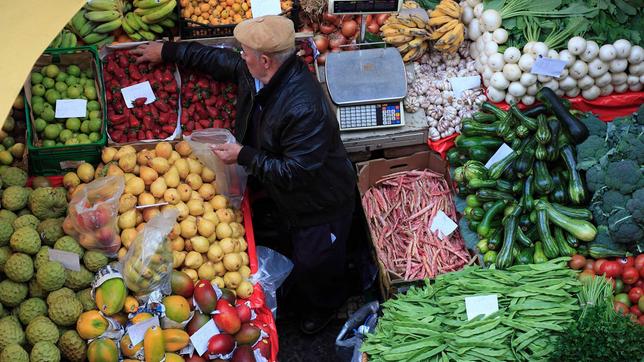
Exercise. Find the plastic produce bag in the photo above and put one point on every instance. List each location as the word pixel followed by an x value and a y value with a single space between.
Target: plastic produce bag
pixel 93 214
pixel 273 269
pixel 230 179
pixel 349 340
pixel 147 266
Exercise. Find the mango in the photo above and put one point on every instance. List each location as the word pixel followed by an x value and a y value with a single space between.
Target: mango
pixel 153 346
pixel 175 339
pixel 102 350
pixel 91 324
pixel 227 319
pixel 182 284
pixel 248 334
pixel 177 308
pixel 205 296
pixel 197 321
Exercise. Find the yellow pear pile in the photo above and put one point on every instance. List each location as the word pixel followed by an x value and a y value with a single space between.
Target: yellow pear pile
pixel 208 239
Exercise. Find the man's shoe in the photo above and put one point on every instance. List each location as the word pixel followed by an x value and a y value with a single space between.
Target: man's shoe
pixel 316 321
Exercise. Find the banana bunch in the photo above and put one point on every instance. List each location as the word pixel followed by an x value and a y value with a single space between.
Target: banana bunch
pixel 149 18
pixel 446 27
pixel 101 18
pixel 64 39
pixel 408 33
pixel 410 4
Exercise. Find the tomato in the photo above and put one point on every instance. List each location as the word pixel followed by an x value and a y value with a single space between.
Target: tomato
pixel 634 310
pixel 626 261
pixel 598 264
pixel 639 262
pixel 630 275
pixel 639 283
pixel 620 308
pixel 635 294
pixel 577 262
pixel 622 298
pixel 640 320
pixel 640 304
pixel 586 276
pixel 590 263
pixel 642 273
pixel 611 269
pixel 618 285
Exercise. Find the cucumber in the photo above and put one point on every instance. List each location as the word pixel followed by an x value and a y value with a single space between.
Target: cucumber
pixel 479 141
pixel 542 180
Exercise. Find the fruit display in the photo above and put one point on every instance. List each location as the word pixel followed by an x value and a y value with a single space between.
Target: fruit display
pixel 409 33
pixel 206 103
pixel 222 12
pixel 156 120
pixel 12 135
pixel 55 82
pixel 101 21
pixel 447 30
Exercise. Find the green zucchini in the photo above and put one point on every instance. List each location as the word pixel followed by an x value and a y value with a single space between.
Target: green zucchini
pixel 564 248
pixel 474 170
pixel 523 239
pixel 542 179
pixel 479 154
pixel 487 205
pixel 539 256
pixel 479 141
pixel 524 221
pixel 479 184
pixel 485 226
pixel 558 193
pixel 484 117
pixel 516 143
pixel 523 164
pixel 535 110
pixel 494 241
pixel 477 214
pixel 552 148
pixel 542 135
pixel 574 212
pixel 580 229
pixel 504 185
pixel 496 111
pixel 459 174
pixel 529 122
pixel 525 256
pixel 550 248
pixel 471 128
pixel 599 251
pixel 576 190
pixel 577 130
pixel 482 246
pixel 496 170
pixel 571 240
pixel 474 224
pixel 490 257
pixel 541 152
pixel 522 131
pixel 456 156
pixel 527 200
pixel 472 201
pixel 493 195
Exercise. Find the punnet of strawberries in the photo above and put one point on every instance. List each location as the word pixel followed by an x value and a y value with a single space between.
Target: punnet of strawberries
pixel 305 51
pixel 156 120
pixel 206 103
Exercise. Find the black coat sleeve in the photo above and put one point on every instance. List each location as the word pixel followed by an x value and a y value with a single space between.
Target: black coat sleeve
pixel 223 64
pixel 306 142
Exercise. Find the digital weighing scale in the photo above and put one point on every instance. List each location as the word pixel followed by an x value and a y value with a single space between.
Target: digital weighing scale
pixel 367 85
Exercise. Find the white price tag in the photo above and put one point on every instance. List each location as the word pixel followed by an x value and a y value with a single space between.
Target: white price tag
pixel 138 90
pixel 137 331
pixel 548 67
pixel 443 224
pixel 68 108
pixel 483 304
pixel 500 154
pixel 69 260
pixel 202 336
pixel 265 7
pixel 460 84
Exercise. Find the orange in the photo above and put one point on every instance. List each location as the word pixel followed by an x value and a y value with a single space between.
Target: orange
pixel 229 2
pixel 204 7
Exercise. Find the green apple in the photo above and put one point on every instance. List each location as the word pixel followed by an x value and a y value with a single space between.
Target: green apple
pixel 72 141
pixel 95 125
pixel 52 96
pixel 90 92
pixel 51 132
pixel 40 124
pixel 38 89
pixel 60 86
pixel 74 91
pixel 52 70
pixel 93 106
pixel 38 108
pixel 71 80
pixel 37 99
pixel 65 135
pixel 8 142
pixel 94 137
pixel 36 78
pixel 48 114
pixel 84 128
pixel 48 82
pixel 48 143
pixel 73 124
pixel 61 77
pixel 6 158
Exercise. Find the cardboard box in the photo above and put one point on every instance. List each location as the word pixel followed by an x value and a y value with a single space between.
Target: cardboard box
pixel 369 173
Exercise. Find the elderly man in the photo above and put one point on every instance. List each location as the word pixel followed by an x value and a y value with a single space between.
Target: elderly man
pixel 290 143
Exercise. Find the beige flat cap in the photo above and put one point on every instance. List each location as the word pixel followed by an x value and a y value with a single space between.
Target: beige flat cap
pixel 266 34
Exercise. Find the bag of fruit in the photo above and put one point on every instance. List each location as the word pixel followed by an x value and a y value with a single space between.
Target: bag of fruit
pixel 93 214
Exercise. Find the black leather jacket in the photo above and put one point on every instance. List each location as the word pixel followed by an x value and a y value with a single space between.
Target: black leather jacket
pixel 301 160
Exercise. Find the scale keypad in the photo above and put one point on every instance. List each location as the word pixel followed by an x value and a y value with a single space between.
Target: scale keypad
pixel 370 116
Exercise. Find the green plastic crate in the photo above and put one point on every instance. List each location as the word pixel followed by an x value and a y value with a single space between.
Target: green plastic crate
pixel 56 160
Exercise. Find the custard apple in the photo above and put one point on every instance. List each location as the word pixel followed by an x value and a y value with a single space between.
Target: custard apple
pixel 72 346
pixel 8 216
pixel 25 240
pixel 14 353
pixel 44 352
pixel 60 293
pixel 67 243
pixel 41 329
pixel 94 260
pixel 48 202
pixel 15 198
pixel 41 257
pixel 10 333
pixel 12 293
pixel 13 176
pixel 30 309
pixel 6 229
pixel 5 253
pixel 65 311
pixel 51 230
pixel 26 221
pixel 35 290
pixel 51 276
pixel 78 280
pixel 19 267
pixel 85 297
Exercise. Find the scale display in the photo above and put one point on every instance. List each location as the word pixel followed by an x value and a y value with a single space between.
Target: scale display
pixel 370 116
pixel 364 6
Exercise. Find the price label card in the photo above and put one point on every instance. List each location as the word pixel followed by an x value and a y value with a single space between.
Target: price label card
pixel 548 67
pixel 443 224
pixel 69 260
pixel 138 91
pixel 460 84
pixel 483 304
pixel 137 331
pixel 500 154
pixel 202 336
pixel 69 108
pixel 265 7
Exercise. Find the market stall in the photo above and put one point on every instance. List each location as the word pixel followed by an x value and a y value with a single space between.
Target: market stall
pixel 514 234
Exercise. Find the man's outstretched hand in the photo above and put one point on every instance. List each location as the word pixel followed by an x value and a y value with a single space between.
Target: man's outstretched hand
pixel 150 52
pixel 227 152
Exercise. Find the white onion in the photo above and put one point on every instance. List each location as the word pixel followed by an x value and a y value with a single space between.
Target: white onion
pixel 637 55
pixel 487 73
pixel 619 79
pixel 636 69
pixel 621 88
pixel 532 90
pixel 539 49
pixel 560 93
pixel 495 62
pixel 592 49
pixel 564 73
pixel 478 10
pixel 495 95
pixel 516 89
pixel 491 19
pixel 632 79
pixel 623 48
pixel 553 84
pixel 618 65
pixel 468 15
pixel 553 54
pixel 500 36
pixel 567 83
pixel 511 55
pixel 585 82
pixel 544 78
pixel 603 80
pixel 473 3
pixel 474 29
pixel 491 48
pixel 567 57
pixel 528 79
pixel 597 68
pixel 579 69
pixel 527 100
pixel 509 98
pixel 591 93
pixel 606 90
pixel 635 87
pixel 527 48
pixel 512 72
pixel 607 53
pixel 576 45
pixel 499 81
pixel 525 62
pixel 573 92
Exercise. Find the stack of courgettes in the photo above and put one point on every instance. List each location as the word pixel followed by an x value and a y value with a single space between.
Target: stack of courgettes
pixel 527 207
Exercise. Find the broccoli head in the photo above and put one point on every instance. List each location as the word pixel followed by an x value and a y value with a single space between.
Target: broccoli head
pixel 595 178
pixel 595 126
pixel 624 176
pixel 612 200
pixel 590 151
pixel 636 206
pixel 623 228
pixel 631 147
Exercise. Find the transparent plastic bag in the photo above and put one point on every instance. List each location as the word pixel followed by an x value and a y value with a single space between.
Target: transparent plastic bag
pixel 93 214
pixel 230 179
pixel 147 266
pixel 273 269
pixel 355 329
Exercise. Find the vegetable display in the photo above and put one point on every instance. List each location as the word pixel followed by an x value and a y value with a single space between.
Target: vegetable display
pixel 399 210
pixel 612 159
pixel 430 90
pixel 531 200
pixel 535 305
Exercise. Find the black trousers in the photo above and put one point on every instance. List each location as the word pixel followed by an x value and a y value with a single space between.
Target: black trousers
pixel 319 254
